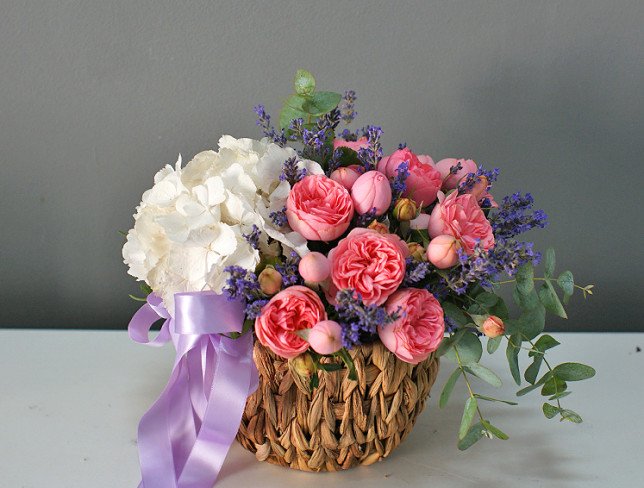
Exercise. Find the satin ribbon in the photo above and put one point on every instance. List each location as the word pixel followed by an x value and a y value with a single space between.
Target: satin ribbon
pixel 185 436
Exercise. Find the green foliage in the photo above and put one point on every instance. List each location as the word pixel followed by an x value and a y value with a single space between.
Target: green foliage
pixel 304 83
pixel 549 262
pixel 490 399
pixel 525 279
pixel 449 387
pixel 550 300
pixel 476 432
pixel 495 431
pixel 468 416
pixel 512 355
pixel 484 374
pixel 469 350
pixel 573 372
pixel 306 103
pixel 493 344
pixel 455 313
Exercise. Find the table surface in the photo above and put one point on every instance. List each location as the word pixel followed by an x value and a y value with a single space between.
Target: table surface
pixel 70 402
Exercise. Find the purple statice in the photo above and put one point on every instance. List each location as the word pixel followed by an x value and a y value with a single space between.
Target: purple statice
pixel 399 182
pixel 370 156
pixel 515 216
pixel 278 217
pixel 469 180
pixel 289 270
pixel 243 285
pixel 366 218
pixel 359 322
pixel 415 271
pixel 264 121
pixel 347 106
pixel 291 171
pixel 253 237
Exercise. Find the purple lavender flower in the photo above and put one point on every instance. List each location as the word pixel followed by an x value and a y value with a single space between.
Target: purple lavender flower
pixel 243 285
pixel 515 216
pixel 291 172
pixel 347 106
pixel 415 271
pixel 471 179
pixel 359 322
pixel 264 121
pixel 289 270
pixel 371 155
pixel 348 135
pixel 253 237
pixel 366 218
pixel 399 183
pixel 279 217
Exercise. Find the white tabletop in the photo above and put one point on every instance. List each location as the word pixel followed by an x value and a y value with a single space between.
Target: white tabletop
pixel 70 402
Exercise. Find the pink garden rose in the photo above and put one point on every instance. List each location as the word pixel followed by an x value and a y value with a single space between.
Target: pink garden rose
pixel 460 216
pixel 370 263
pixel 371 190
pixel 355 145
pixel 451 181
pixel 423 182
pixel 420 328
pixel 319 208
pixel 292 309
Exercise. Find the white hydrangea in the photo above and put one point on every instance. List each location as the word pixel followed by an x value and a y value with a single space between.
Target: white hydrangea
pixel 190 225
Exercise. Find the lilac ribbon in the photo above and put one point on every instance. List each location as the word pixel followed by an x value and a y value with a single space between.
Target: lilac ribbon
pixel 185 436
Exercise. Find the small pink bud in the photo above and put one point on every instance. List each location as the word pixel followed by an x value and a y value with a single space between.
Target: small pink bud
pixel 314 267
pixel 371 190
pixel 270 280
pixel 442 251
pixel 493 326
pixel 345 176
pixel 326 337
pixel 420 223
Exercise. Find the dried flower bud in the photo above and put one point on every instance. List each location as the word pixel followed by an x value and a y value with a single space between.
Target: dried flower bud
pixel 270 280
pixel 379 227
pixel 417 251
pixel 493 326
pixel 405 210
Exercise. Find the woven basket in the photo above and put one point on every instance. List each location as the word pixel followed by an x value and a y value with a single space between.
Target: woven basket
pixel 343 423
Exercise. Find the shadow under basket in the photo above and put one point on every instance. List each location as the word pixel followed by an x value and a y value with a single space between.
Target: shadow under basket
pixel 342 423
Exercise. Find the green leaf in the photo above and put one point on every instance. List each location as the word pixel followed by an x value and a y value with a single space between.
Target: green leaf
pixel 315 381
pixel 493 344
pixel 528 389
pixel 500 309
pixel 549 262
pixel 484 374
pixel 449 341
pixel 567 283
pixel 550 300
pixel 304 83
pixel 330 366
pixel 525 279
pixel 288 114
pixel 449 387
pixel 553 386
pixel 455 313
pixel 486 299
pixel 512 354
pixel 550 411
pixel 530 323
pixel 560 395
pixel 544 343
pixel 532 371
pixel 573 372
pixel 528 301
pixel 495 431
pixel 571 416
pixel 490 399
pixel 476 432
pixel 145 288
pixel 469 349
pixel 321 103
pixel 348 360
pixel 468 415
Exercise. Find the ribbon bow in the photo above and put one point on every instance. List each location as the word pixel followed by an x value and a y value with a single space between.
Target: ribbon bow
pixel 184 437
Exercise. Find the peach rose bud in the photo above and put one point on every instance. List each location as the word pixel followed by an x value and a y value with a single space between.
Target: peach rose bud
pixel 493 326
pixel 416 250
pixel 379 227
pixel 345 176
pixel 270 280
pixel 325 337
pixel 314 267
pixel 405 210
pixel 442 251
pixel 371 190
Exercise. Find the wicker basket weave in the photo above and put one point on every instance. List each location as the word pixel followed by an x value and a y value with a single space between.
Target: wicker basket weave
pixel 344 423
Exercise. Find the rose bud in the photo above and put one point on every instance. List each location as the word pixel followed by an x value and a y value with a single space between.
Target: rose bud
pixel 417 251
pixel 371 190
pixel 479 190
pixel 353 145
pixel 270 280
pixel 326 337
pixel 345 176
pixel 450 181
pixel 493 326
pixel 405 210
pixel 379 227
pixel 303 365
pixel 314 267
pixel 420 223
pixel 442 251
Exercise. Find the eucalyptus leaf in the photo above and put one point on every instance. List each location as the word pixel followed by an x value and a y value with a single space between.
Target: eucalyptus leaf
pixel 512 355
pixel 541 381
pixel 490 399
pixel 550 300
pixel 304 83
pixel 495 431
pixel 553 386
pixel 573 372
pixel 449 387
pixel 525 279
pixel 571 416
pixel 469 349
pixel 549 262
pixel 560 395
pixel 530 323
pixel 484 374
pixel 468 415
pixel 449 341
pixel 288 114
pixel 567 283
pixel 321 103
pixel 486 299
pixel 493 344
pixel 476 432
pixel 544 343
pixel 532 371
pixel 550 411
pixel 455 313
pixel 500 309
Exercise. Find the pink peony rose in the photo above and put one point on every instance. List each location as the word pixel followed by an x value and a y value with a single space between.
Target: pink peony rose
pixel 451 181
pixel 423 182
pixel 420 328
pixel 442 251
pixel 355 145
pixel 460 216
pixel 326 337
pixel 294 308
pixel 345 176
pixel 319 208
pixel 370 263
pixel 314 267
pixel 371 190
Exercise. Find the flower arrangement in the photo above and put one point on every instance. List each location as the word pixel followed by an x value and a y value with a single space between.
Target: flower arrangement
pixel 326 245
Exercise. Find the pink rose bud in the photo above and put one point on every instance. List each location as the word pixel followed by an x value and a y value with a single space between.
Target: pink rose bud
pixel 326 337
pixel 371 190
pixel 450 181
pixel 417 251
pixel 405 210
pixel 442 251
pixel 379 227
pixel 270 280
pixel 420 223
pixel 493 326
pixel 354 145
pixel 314 267
pixel 345 176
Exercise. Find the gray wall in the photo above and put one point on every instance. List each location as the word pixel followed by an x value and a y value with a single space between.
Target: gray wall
pixel 95 96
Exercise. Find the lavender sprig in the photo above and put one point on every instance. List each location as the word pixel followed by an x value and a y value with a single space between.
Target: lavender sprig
pixel 291 172
pixel 264 121
pixel 398 184
pixel 515 216
pixel 278 217
pixel 359 322
pixel 289 270
pixel 347 106
pixel 371 155
pixel 468 182
pixel 253 237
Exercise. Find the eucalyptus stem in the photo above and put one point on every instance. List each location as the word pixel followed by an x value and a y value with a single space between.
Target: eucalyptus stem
pixel 583 288
pixel 543 354
pixel 467 382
